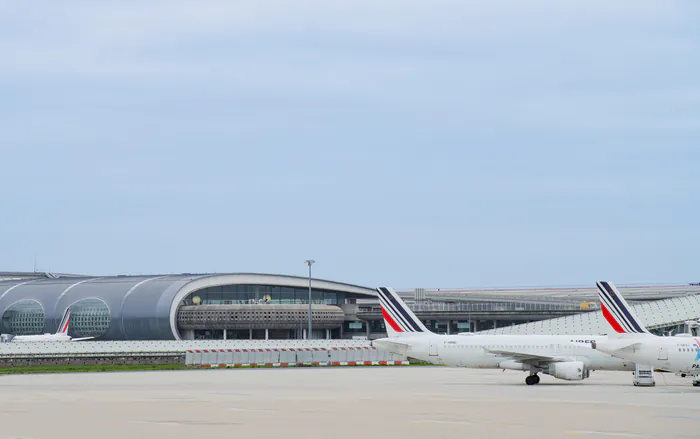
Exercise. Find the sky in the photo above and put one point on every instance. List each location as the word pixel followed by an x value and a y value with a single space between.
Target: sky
pixel 441 144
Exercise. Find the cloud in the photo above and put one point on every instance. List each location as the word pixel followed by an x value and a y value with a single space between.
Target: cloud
pixel 596 66
pixel 129 39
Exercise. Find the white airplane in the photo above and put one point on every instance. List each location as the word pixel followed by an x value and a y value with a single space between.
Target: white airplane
pixel 568 357
pixel 631 340
pixel 60 335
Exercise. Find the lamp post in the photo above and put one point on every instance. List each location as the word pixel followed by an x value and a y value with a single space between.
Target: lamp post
pixel 309 262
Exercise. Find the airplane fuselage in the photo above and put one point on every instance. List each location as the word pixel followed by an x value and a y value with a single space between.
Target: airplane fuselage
pixel 678 354
pixel 41 337
pixel 491 351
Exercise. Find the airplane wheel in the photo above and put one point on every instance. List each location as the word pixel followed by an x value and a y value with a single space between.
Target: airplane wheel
pixel 532 379
pixel 696 383
pixel 537 379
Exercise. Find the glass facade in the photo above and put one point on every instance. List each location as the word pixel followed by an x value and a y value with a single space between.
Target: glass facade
pixel 89 318
pixel 25 317
pixel 248 294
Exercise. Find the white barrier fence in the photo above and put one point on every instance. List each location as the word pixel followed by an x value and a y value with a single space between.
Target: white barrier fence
pixel 284 357
pixel 207 353
pixel 54 347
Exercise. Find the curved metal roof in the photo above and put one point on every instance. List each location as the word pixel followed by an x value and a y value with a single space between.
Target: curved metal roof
pixel 141 307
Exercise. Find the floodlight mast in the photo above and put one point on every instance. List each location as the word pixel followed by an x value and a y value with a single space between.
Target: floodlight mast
pixel 309 262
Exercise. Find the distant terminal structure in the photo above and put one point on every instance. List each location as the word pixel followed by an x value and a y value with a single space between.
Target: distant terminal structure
pixel 227 306
pixel 452 311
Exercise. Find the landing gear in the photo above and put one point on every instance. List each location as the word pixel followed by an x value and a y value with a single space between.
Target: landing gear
pixel 696 383
pixel 532 380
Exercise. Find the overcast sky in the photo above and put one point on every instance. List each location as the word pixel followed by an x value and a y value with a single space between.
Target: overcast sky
pixel 407 143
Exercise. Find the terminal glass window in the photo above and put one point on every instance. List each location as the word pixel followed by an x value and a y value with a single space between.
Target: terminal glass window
pixel 25 317
pixel 89 318
pixel 248 294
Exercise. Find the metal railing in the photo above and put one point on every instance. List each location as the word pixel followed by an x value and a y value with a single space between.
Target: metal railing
pixel 510 306
pixel 486 307
pixel 263 302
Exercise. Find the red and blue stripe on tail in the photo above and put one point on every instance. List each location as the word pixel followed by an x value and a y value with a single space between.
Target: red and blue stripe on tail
pixel 617 312
pixel 398 318
pixel 65 323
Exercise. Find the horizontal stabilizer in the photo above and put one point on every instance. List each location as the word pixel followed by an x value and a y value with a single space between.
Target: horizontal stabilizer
pixel 629 345
pixel 395 347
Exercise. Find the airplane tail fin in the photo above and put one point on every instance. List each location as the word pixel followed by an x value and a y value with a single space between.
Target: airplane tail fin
pixel 398 318
pixel 65 322
pixel 617 312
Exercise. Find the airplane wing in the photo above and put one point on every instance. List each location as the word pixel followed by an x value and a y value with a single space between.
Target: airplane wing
pixel 82 339
pixel 525 357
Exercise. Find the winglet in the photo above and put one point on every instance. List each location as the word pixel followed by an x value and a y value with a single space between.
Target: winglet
pixel 398 318
pixel 65 322
pixel 617 312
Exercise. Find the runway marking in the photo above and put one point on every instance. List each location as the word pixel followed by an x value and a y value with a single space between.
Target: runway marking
pixel 238 409
pixel 437 421
pixel 605 433
pixel 181 423
pixel 691 418
pixel 565 401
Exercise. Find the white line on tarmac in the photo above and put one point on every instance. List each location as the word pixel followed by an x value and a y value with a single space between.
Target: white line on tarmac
pixel 437 421
pixel 565 401
pixel 691 418
pixel 185 423
pixel 239 409
pixel 605 433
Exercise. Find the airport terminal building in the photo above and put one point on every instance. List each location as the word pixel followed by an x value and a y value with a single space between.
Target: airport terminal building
pixel 269 306
pixel 178 307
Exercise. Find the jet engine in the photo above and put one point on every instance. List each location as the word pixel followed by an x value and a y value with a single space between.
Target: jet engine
pixel 568 370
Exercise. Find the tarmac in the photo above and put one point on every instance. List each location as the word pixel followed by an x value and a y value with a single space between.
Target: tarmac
pixel 337 403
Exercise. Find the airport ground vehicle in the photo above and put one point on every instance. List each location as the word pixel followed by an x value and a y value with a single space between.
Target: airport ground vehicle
pixel 644 375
